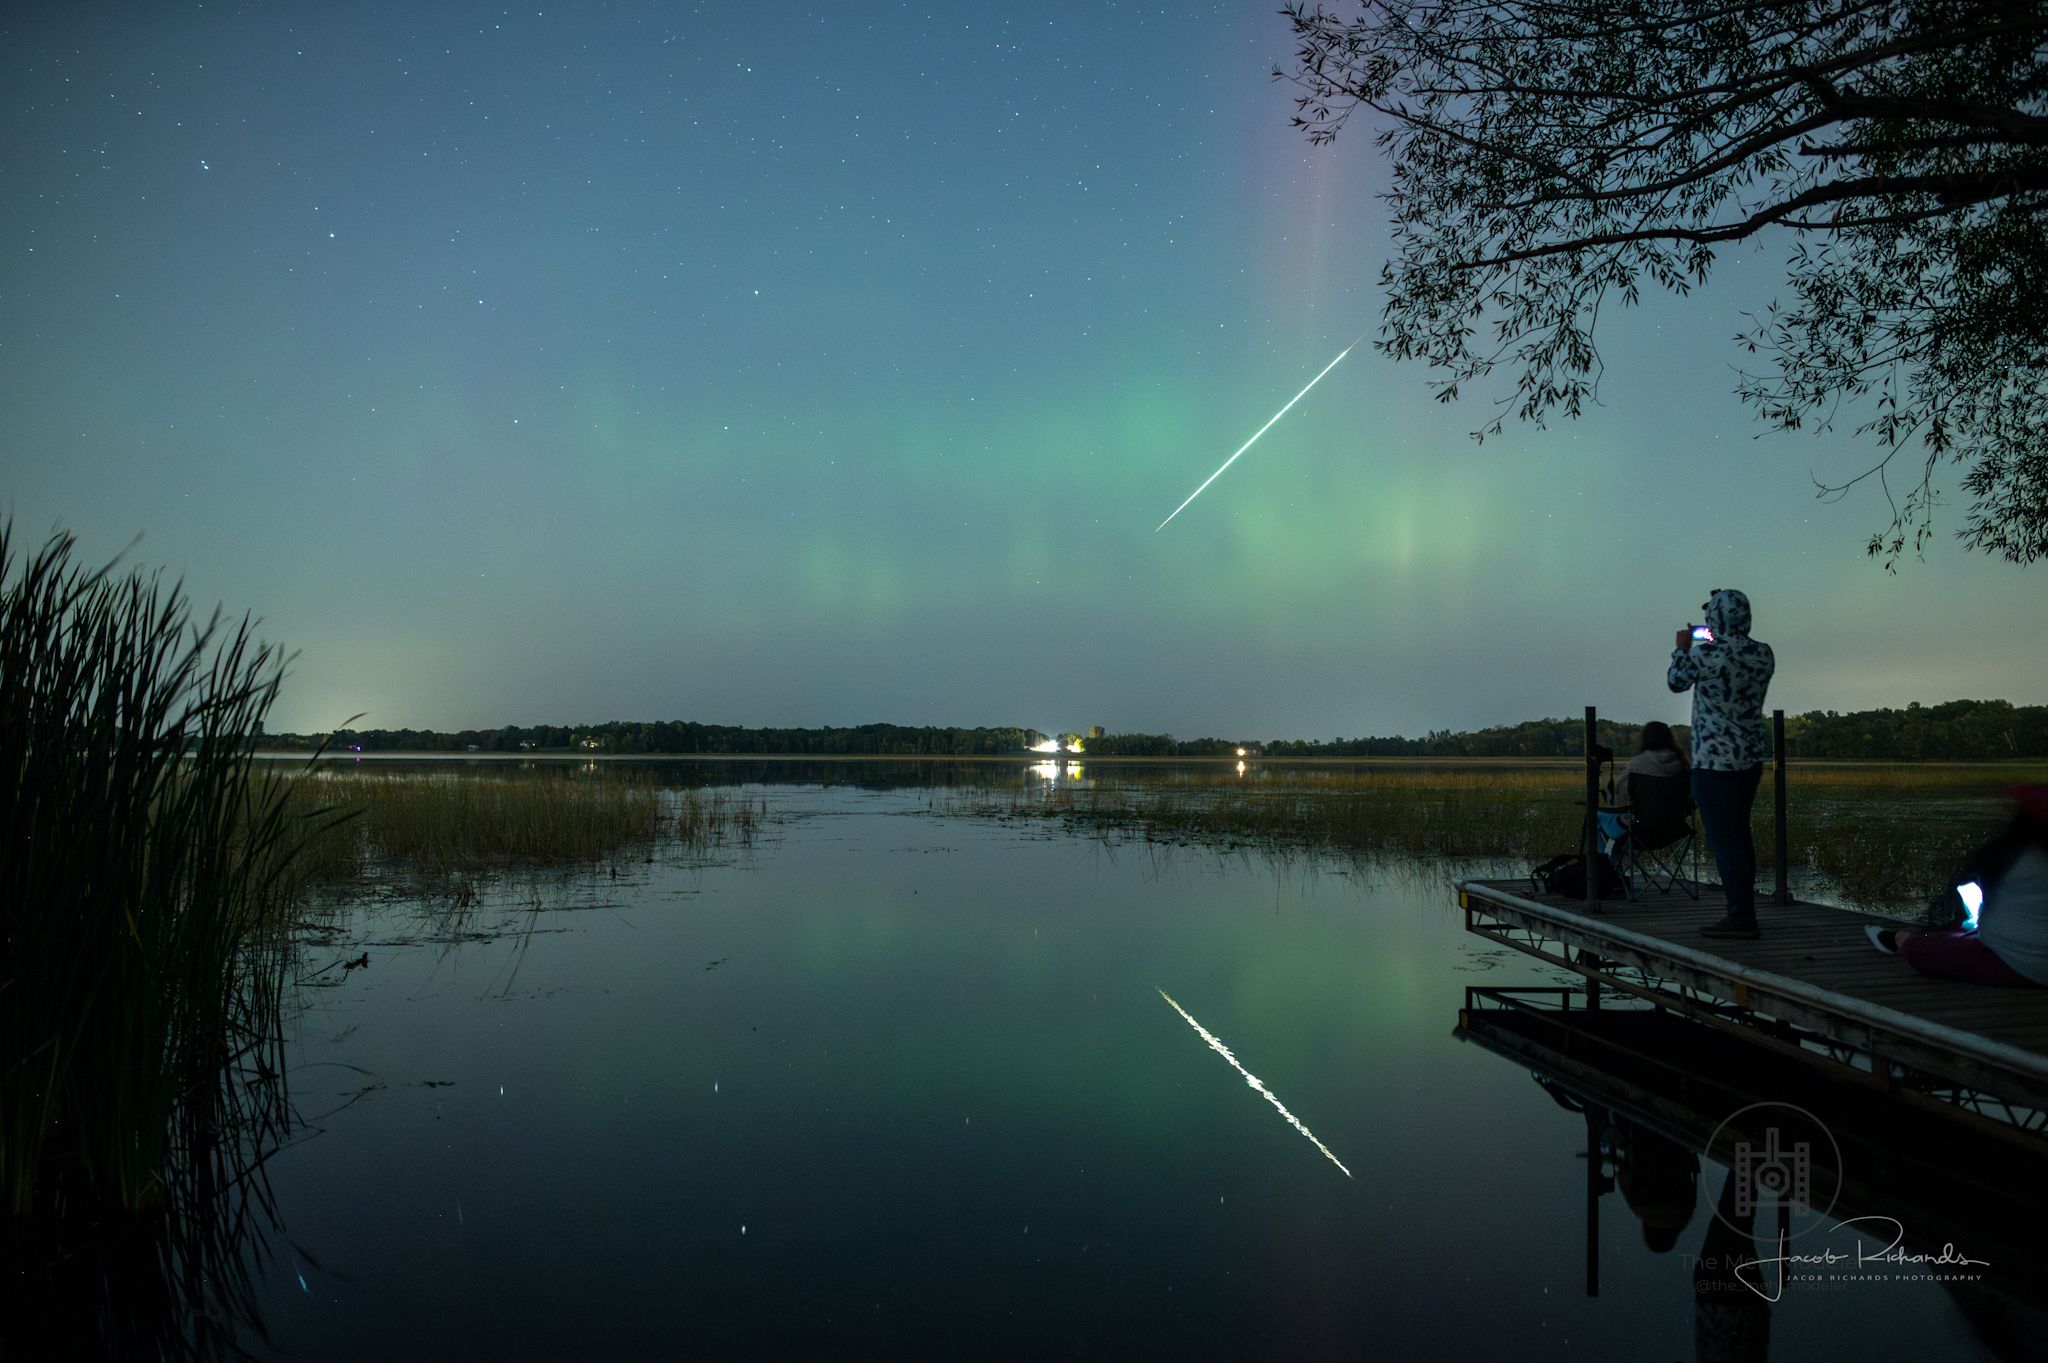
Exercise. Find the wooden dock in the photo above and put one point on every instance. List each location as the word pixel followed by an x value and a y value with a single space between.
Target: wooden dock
pixel 1812 986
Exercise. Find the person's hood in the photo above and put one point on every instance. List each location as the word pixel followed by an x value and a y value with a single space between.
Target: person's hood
pixel 1728 612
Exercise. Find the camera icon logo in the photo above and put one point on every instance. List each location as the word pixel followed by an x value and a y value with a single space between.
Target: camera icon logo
pixel 1774 1175
pixel 1782 1159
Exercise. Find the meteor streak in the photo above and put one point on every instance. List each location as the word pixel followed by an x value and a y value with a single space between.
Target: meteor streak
pixel 1250 1078
pixel 1255 437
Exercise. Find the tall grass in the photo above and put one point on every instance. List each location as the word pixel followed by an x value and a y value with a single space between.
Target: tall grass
pixel 423 827
pixel 703 819
pixel 1882 836
pixel 449 823
pixel 140 862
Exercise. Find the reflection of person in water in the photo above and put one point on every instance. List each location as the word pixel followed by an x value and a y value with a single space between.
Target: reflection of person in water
pixel 1659 1179
pixel 1731 1321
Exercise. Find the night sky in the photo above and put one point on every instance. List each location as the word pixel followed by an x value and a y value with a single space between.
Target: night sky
pixel 827 365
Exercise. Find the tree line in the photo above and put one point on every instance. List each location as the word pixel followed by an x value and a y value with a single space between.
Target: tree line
pixel 1954 730
pixel 674 736
pixel 1957 730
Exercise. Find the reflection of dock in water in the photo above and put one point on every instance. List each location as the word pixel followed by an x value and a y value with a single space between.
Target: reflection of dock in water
pixel 1658 1091
pixel 1974 1189
pixel 1812 991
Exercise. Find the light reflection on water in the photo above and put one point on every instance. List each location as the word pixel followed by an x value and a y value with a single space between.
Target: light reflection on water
pixel 1253 1081
pixel 898 1085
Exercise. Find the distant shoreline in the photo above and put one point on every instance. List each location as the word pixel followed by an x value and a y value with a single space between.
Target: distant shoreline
pixel 1957 730
pixel 1023 758
pixel 1031 759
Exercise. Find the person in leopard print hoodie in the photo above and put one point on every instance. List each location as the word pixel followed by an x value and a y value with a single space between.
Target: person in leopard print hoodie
pixel 1728 677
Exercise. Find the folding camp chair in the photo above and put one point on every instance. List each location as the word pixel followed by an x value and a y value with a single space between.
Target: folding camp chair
pixel 1660 839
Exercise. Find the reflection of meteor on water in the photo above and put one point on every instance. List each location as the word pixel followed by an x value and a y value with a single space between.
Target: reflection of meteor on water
pixel 1250 1078
pixel 1256 434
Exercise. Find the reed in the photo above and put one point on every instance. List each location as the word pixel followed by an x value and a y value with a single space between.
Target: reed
pixel 141 862
pixel 709 818
pixel 450 823
pixel 447 827
pixel 1877 835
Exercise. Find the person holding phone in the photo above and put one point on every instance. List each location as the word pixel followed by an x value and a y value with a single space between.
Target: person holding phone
pixel 1728 674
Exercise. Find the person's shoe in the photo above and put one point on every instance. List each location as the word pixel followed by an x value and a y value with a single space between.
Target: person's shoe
pixel 1732 927
pixel 1884 939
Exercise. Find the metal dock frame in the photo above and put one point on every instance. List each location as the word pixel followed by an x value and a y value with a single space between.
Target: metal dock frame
pixel 1974 1077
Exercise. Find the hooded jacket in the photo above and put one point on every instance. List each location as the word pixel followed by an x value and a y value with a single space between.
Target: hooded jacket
pixel 1728 679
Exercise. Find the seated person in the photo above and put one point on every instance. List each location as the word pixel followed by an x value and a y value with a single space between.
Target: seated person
pixel 2004 935
pixel 1658 756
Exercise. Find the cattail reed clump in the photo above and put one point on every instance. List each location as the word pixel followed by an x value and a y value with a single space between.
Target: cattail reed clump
pixel 143 865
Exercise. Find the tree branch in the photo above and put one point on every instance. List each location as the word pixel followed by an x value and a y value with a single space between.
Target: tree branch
pixel 1956 191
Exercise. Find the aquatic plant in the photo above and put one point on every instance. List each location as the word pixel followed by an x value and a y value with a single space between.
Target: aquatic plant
pixel 443 823
pixel 445 827
pixel 716 817
pixel 1876 835
pixel 142 862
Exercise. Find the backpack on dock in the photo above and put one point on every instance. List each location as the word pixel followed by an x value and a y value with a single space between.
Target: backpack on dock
pixel 1565 875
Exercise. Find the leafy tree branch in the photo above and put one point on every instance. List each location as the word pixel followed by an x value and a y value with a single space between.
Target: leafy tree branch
pixel 1550 154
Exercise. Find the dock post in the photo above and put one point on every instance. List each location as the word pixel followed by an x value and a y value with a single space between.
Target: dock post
pixel 1591 835
pixel 1592 846
pixel 1778 786
pixel 1593 1191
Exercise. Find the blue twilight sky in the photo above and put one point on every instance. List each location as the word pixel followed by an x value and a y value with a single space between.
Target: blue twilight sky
pixel 772 365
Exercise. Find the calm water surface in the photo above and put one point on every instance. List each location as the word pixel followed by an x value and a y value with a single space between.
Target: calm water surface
pixel 895 1085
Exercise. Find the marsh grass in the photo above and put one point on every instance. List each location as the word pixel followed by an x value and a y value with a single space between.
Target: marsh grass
pixel 1876 835
pixel 443 824
pixel 142 862
pixel 438 832
pixel 714 817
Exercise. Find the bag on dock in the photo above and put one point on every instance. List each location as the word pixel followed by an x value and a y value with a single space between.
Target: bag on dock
pixel 1565 875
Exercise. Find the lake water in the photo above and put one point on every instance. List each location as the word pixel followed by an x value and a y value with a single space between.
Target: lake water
pixel 898 1085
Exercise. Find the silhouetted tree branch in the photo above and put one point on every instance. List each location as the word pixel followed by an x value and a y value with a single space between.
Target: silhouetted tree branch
pixel 1549 154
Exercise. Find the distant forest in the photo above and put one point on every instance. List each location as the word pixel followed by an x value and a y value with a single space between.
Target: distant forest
pixel 1958 729
pixel 674 736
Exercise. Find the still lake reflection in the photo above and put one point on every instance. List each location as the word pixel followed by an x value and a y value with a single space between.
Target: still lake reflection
pixel 899 1085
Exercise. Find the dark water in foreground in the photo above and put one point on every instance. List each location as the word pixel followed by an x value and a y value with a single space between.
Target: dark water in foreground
pixel 902 1086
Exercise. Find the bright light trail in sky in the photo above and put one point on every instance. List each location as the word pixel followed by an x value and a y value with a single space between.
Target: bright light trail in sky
pixel 1256 434
pixel 1250 1078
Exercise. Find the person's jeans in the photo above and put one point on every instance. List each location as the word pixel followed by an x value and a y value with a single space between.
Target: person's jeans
pixel 1724 799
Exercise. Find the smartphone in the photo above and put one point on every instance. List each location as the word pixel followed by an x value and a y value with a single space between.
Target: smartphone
pixel 1702 635
pixel 1973 904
